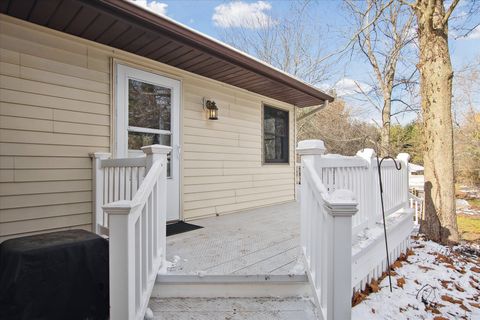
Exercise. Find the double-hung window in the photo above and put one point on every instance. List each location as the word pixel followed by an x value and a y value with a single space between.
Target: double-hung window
pixel 275 135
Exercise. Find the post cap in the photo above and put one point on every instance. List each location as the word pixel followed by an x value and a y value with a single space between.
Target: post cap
pixel 404 157
pixel 156 149
pixel 341 202
pixel 311 147
pixel 366 153
pixel 100 155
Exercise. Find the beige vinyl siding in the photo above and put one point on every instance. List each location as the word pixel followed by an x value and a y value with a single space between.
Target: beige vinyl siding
pixel 223 169
pixel 55 108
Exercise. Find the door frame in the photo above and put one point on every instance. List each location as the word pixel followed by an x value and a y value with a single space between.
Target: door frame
pixel 120 116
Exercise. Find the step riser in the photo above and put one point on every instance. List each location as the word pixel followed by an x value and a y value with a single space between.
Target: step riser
pixel 225 290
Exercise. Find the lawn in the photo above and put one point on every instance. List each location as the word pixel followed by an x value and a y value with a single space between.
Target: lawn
pixel 469 227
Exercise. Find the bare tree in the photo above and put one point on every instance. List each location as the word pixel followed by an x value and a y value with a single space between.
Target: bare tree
pixel 384 30
pixel 337 127
pixel 436 75
pixel 292 43
pixel 466 112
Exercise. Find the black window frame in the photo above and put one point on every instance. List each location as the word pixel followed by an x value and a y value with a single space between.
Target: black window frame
pixel 286 159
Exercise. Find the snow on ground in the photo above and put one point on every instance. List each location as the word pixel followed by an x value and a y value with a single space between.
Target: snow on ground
pixel 434 282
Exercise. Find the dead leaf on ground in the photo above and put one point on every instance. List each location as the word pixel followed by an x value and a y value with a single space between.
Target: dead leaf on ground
pixel 357 298
pixel 445 283
pixel 432 309
pixel 440 318
pixel 451 299
pixel 459 288
pixel 374 286
pixel 465 308
pixel 425 268
pixel 474 285
pixel 400 282
pixel 473 304
pixel 443 258
pixel 475 269
pixel 397 264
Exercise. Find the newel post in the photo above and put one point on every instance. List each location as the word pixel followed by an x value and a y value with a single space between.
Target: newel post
pixel 341 205
pixel 373 189
pixel 309 150
pixel 155 152
pixel 121 260
pixel 97 189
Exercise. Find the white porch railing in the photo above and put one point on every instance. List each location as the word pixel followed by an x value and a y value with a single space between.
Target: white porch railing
pixel 131 207
pixel 113 180
pixel 326 224
pixel 416 203
pixel 333 187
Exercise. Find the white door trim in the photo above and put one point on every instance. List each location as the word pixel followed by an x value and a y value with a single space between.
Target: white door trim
pixel 123 73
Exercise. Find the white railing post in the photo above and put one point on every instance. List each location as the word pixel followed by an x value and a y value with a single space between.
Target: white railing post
pixel 122 260
pixel 404 158
pixel 97 189
pixel 155 153
pixel 372 188
pixel 341 205
pixel 309 150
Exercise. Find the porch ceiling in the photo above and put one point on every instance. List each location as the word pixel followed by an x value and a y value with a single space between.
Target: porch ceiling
pixel 125 26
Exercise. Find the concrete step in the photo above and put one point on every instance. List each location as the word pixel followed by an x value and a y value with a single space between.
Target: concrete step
pixel 264 308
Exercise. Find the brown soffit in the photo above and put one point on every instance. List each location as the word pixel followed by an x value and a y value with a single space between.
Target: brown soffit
pixel 128 27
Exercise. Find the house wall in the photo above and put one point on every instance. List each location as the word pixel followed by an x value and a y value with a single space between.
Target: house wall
pixel 56 107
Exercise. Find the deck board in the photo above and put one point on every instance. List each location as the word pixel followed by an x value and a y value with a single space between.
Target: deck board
pixel 233 308
pixel 260 241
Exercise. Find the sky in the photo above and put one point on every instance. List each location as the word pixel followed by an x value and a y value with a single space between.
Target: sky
pixel 211 17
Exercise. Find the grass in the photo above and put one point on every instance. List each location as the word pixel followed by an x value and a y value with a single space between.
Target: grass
pixel 469 227
pixel 474 202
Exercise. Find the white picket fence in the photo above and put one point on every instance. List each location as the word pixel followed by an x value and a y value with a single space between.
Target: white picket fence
pixel 130 206
pixel 340 199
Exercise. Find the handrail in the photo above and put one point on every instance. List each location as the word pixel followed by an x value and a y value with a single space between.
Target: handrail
pixel 332 187
pixel 148 184
pixel 326 223
pixel 138 239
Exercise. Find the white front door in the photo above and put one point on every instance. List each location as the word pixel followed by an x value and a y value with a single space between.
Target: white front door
pixel 148 111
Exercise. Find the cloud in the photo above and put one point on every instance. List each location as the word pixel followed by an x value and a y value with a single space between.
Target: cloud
pixel 348 87
pixel 157 7
pixel 242 14
pixel 474 35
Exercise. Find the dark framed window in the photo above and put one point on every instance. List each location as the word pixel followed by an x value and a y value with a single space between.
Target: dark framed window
pixel 275 135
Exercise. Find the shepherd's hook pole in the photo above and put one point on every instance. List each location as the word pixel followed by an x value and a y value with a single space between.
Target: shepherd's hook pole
pixel 398 167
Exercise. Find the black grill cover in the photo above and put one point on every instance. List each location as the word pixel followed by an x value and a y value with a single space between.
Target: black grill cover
pixel 59 275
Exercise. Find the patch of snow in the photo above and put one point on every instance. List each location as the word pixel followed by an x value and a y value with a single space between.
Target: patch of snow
pixel 462 203
pixel 201 273
pixel 439 281
pixel 298 268
pixel 148 314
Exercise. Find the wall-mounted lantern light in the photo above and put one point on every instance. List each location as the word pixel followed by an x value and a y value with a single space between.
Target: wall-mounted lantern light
pixel 211 107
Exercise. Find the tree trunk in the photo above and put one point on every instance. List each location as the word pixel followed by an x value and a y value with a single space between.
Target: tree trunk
pixel 385 129
pixel 436 91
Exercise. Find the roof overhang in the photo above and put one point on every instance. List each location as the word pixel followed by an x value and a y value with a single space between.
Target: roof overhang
pixel 126 26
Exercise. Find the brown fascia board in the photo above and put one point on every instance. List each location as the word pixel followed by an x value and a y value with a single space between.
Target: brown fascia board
pixel 179 33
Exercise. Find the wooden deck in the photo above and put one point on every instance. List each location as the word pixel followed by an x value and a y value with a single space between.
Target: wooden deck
pixel 293 308
pixel 260 241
